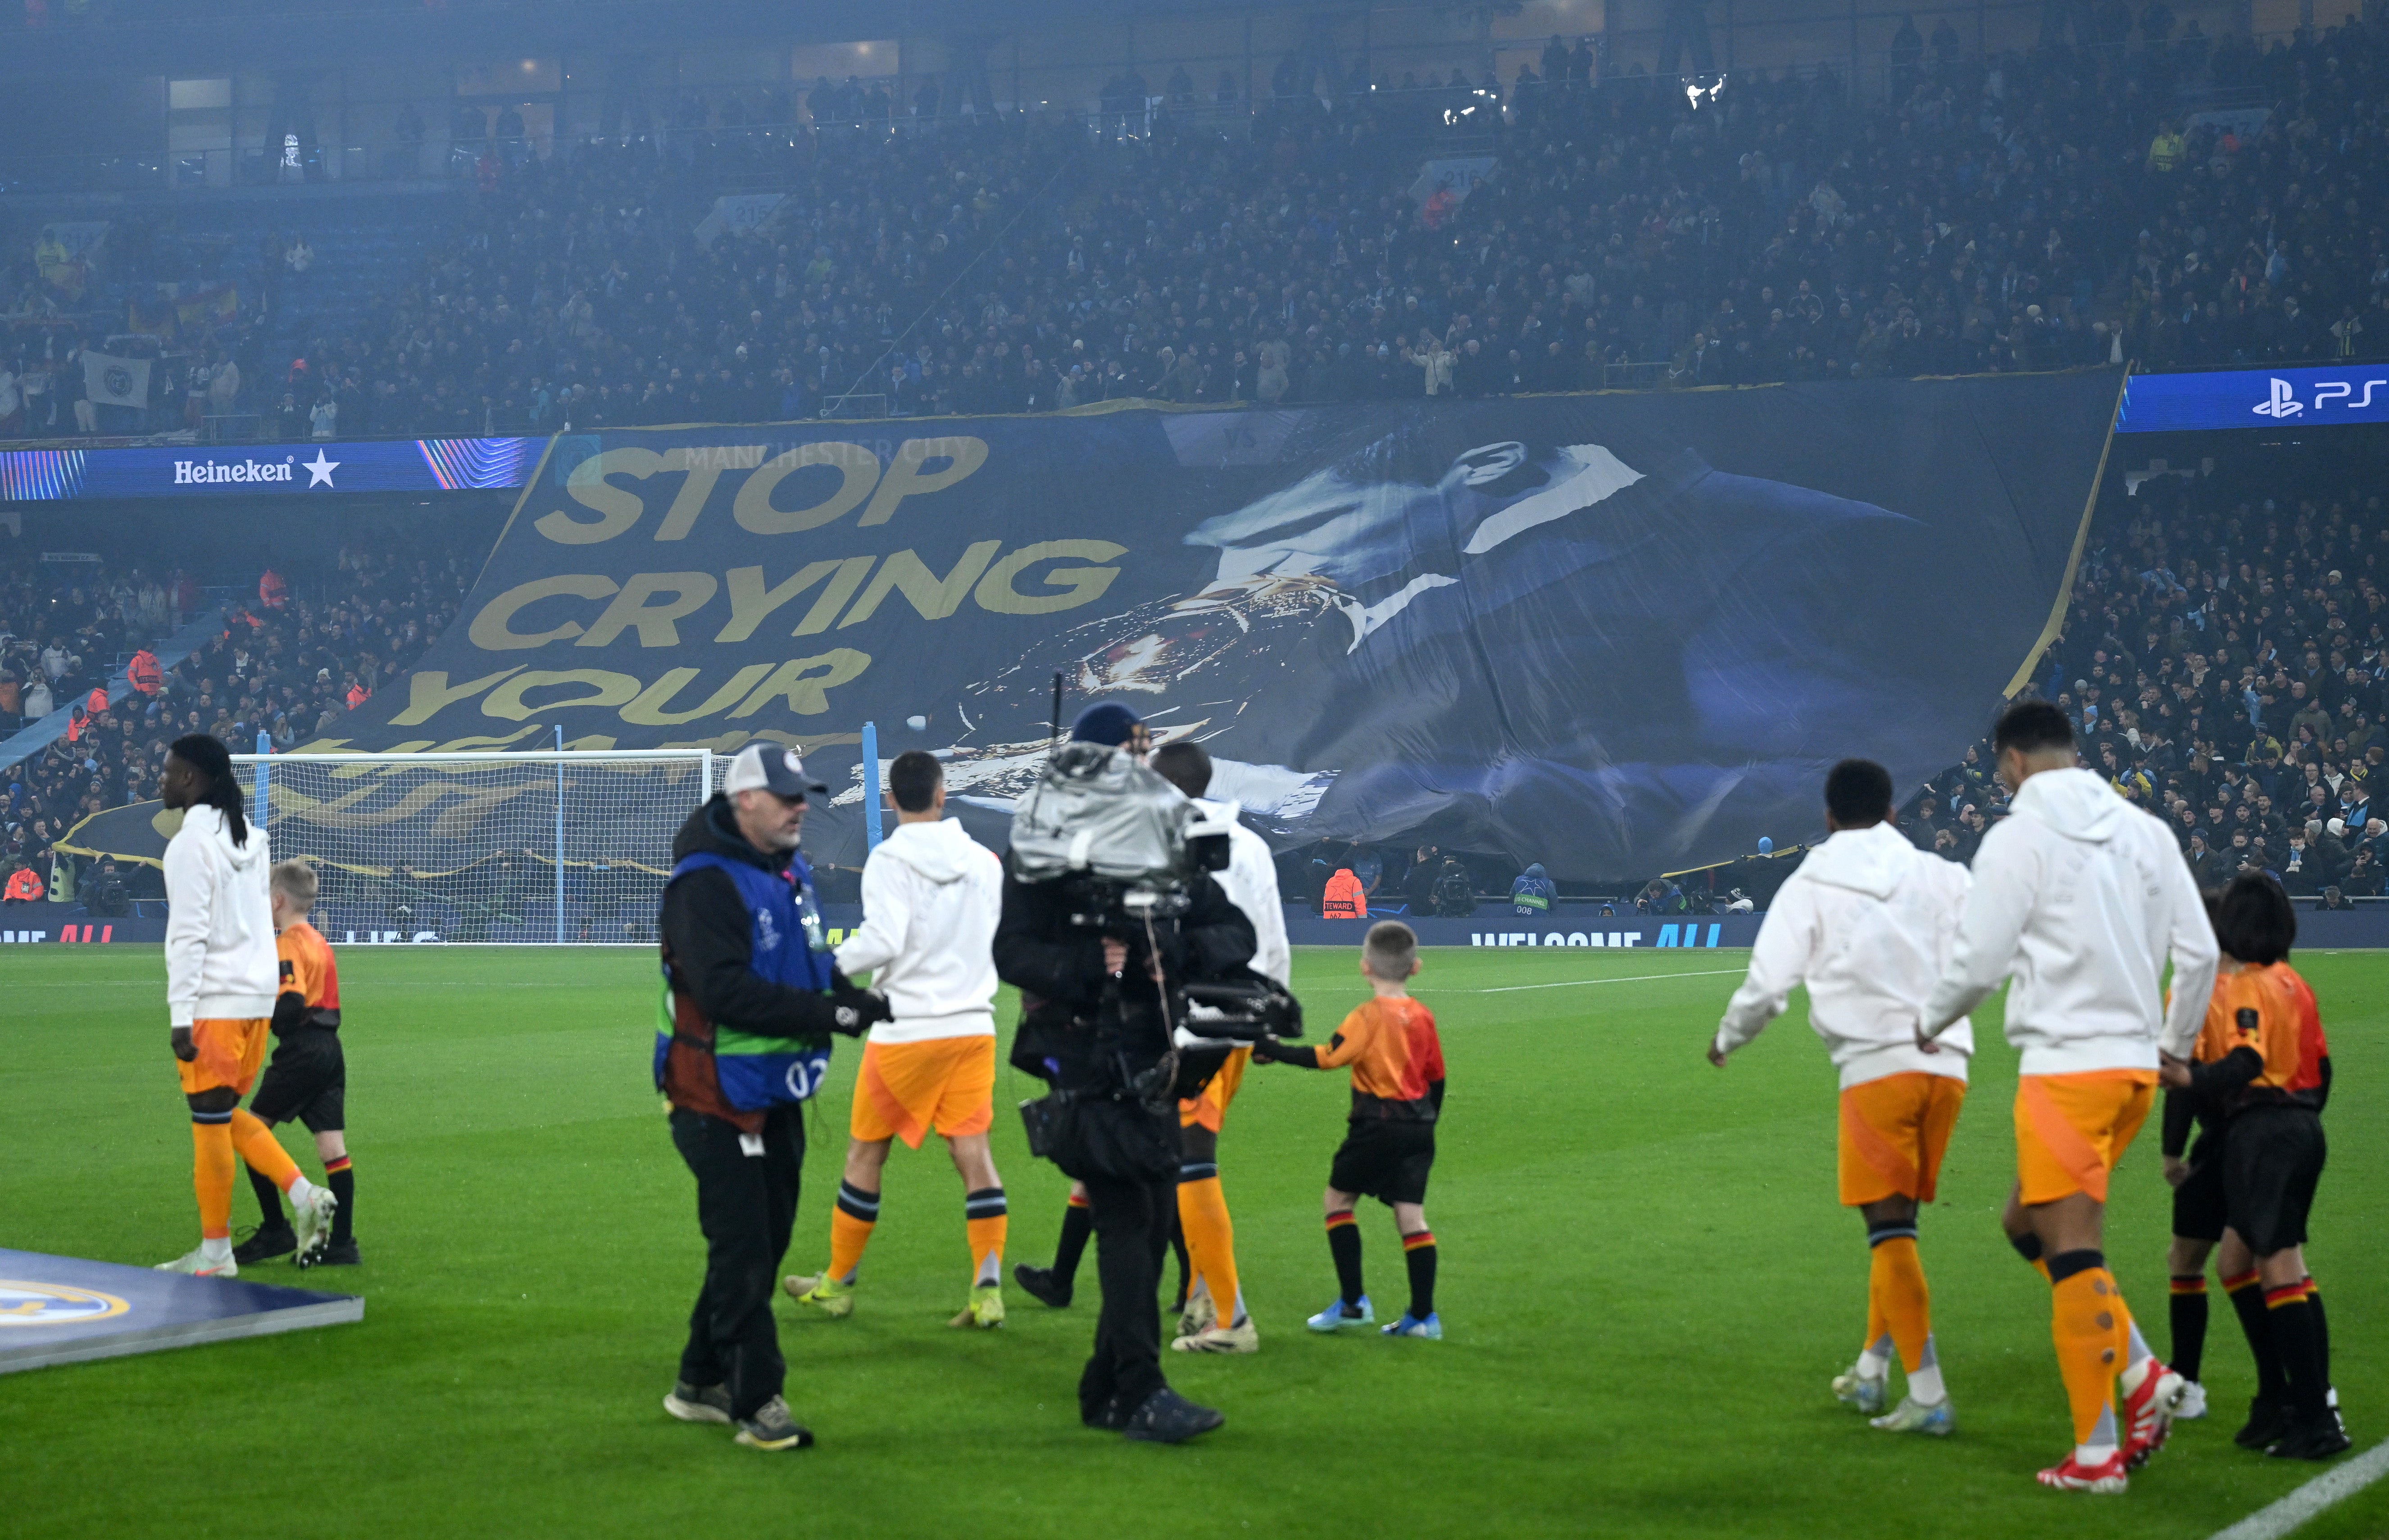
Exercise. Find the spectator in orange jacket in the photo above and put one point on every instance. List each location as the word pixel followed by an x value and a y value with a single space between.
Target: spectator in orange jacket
pixel 144 674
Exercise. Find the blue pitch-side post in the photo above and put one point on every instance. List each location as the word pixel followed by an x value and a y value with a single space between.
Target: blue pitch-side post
pixel 264 780
pixel 870 787
pixel 559 837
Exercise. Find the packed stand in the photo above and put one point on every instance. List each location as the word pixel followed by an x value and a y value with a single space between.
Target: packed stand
pixel 2027 212
pixel 192 311
pixel 293 657
pixel 2227 667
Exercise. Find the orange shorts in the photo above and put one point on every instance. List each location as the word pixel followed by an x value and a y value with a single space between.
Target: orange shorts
pixel 2071 1129
pixel 1210 1109
pixel 904 1089
pixel 231 1053
pixel 1893 1131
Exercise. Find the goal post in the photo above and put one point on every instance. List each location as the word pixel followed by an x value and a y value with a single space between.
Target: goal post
pixel 554 847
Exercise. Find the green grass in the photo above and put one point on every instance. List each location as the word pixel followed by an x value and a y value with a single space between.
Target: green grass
pixel 1646 1284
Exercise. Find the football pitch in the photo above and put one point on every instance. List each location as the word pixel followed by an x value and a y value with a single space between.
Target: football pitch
pixel 1645 1286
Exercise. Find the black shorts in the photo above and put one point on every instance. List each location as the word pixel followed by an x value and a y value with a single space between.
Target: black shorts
pixel 2272 1158
pixel 307 1079
pixel 2198 1202
pixel 1384 1158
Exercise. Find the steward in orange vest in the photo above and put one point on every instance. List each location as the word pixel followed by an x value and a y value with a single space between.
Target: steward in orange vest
pixel 1345 897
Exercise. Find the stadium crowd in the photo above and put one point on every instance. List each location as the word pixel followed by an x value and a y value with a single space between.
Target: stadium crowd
pixel 2016 212
pixel 2226 662
pixel 290 659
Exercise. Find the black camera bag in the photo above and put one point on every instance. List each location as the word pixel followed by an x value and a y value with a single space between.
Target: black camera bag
pixel 1102 1138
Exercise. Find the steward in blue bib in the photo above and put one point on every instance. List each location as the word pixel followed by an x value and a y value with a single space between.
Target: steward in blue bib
pixel 750 995
pixel 1533 891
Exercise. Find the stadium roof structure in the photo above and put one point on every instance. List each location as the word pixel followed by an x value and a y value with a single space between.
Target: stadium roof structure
pixel 195 38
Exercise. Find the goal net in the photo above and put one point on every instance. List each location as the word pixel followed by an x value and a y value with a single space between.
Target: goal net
pixel 557 846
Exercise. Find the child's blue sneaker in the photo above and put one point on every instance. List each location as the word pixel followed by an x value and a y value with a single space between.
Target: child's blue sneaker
pixel 1410 1326
pixel 1335 1318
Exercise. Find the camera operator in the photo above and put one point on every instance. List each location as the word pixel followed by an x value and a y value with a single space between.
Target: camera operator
pixel 1455 890
pixel 1097 983
pixel 105 895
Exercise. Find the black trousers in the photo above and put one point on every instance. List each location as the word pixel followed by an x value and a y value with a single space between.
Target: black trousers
pixel 746 1205
pixel 1131 1222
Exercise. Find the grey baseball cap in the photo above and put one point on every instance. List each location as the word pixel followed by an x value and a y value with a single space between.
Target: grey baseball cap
pixel 768 767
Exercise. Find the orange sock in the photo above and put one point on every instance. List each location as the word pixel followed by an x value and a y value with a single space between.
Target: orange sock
pixel 261 1150
pixel 1211 1242
pixel 986 1219
pixel 849 1229
pixel 1897 1278
pixel 1878 1337
pixel 2087 1324
pixel 211 1172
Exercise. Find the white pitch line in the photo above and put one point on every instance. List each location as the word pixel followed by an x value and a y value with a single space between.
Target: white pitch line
pixel 2271 1523
pixel 1571 983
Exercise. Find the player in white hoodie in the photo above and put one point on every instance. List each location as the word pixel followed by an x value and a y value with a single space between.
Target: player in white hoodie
pixel 1867 923
pixel 221 975
pixel 931 897
pixel 2081 898
pixel 1250 882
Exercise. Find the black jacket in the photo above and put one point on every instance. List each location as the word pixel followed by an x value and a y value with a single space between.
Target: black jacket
pixel 1074 1014
pixel 708 952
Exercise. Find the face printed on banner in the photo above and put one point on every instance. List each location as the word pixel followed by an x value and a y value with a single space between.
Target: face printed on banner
pixel 1355 532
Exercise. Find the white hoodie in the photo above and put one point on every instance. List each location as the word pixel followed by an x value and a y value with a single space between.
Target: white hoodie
pixel 931 895
pixel 1867 923
pixel 1250 884
pixel 219 958
pixel 2081 897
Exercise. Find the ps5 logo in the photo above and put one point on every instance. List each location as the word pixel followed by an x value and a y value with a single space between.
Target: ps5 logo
pixel 2284 403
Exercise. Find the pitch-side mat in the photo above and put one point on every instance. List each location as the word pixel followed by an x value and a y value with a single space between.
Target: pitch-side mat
pixel 63 1310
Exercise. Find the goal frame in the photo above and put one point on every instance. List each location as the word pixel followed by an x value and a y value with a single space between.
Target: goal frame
pixel 257 772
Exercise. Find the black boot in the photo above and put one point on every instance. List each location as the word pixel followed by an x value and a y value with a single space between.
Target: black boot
pixel 265 1243
pixel 1169 1417
pixel 1041 1284
pixel 2268 1420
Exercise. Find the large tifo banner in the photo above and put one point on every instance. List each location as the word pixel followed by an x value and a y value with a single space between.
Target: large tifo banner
pixel 1613 633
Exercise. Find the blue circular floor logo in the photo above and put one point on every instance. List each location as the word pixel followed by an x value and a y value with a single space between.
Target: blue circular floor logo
pixel 54 1304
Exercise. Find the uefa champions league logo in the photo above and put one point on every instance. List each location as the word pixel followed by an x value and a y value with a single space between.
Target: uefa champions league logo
pixel 54 1304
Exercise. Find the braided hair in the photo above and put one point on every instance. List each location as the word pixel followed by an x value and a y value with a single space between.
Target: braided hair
pixel 203 753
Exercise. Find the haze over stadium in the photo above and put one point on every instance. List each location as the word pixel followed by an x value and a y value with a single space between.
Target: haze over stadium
pixel 1876 511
